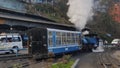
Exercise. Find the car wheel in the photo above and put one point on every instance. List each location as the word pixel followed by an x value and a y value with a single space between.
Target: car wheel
pixel 15 49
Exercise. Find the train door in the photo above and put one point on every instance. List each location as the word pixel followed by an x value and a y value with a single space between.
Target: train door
pixel 38 42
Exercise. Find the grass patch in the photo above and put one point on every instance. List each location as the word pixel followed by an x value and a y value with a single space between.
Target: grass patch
pixel 63 65
pixel 17 65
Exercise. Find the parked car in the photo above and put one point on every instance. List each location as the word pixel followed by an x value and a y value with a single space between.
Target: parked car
pixel 116 42
pixel 10 42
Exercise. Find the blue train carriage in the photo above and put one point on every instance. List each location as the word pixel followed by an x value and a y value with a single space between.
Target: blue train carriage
pixel 63 41
pixel 43 41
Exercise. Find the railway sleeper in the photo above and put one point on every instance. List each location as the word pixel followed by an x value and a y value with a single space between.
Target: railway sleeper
pixel 104 66
pixel 25 65
pixel 115 66
pixel 22 65
pixel 108 64
pixel 39 56
pixel 119 65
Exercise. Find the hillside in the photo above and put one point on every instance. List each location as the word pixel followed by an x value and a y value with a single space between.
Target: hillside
pixel 102 22
pixel 55 11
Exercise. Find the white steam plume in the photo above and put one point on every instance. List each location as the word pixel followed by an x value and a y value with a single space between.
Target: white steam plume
pixel 79 12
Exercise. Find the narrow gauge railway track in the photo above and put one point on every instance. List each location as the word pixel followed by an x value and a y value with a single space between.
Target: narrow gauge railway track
pixel 22 65
pixel 98 61
pixel 115 62
pixel 26 56
pixel 13 57
pixel 107 61
pixel 12 60
pixel 22 61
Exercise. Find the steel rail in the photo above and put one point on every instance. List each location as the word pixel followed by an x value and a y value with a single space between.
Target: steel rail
pixel 13 57
pixel 103 61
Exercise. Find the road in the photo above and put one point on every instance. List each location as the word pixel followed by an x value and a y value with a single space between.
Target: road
pixel 87 60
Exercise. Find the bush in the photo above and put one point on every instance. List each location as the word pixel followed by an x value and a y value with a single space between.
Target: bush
pixel 17 65
pixel 64 62
pixel 62 65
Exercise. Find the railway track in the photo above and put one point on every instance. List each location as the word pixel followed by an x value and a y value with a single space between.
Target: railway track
pixel 13 57
pixel 106 61
pixel 21 65
pixel 13 61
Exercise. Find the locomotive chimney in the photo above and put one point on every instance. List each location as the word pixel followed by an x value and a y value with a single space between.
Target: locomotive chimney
pixel 85 31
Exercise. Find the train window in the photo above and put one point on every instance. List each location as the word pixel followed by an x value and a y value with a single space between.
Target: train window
pixel 78 38
pixel 66 42
pixel 68 38
pixel 50 36
pixel 50 33
pixel 73 39
pixel 63 38
pixel 58 38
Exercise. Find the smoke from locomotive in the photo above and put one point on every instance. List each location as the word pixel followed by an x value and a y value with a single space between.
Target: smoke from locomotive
pixel 79 12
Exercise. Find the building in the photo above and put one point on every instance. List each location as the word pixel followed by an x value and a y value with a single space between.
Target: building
pixel 15 5
pixel 98 7
pixel 116 1
pixel 37 1
pixel 32 1
pixel 115 12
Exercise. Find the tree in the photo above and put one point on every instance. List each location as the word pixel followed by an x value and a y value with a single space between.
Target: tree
pixel 102 21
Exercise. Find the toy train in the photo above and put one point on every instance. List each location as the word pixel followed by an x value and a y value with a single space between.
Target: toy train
pixel 43 41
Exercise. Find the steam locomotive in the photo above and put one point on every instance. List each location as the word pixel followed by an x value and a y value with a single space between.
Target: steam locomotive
pixel 89 40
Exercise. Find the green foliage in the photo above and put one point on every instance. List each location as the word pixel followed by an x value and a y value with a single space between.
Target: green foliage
pixel 17 65
pixel 67 57
pixel 56 11
pixel 105 37
pixel 62 65
pixel 104 24
pixel 64 62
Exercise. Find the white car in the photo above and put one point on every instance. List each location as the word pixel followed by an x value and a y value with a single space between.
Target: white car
pixel 115 42
pixel 10 42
